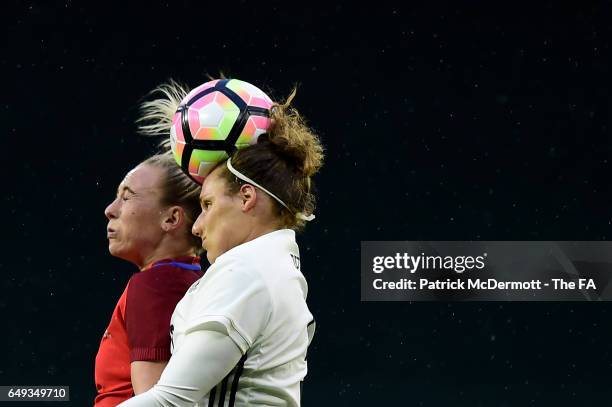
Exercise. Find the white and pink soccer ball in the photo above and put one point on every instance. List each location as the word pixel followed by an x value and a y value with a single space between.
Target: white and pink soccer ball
pixel 214 120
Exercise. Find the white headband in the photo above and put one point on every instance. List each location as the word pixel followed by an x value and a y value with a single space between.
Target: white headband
pixel 238 174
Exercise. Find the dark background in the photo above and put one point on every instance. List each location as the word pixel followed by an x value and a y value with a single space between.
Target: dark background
pixel 487 121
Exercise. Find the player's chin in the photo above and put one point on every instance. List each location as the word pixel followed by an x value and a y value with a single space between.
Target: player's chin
pixel 114 248
pixel 211 253
pixel 210 257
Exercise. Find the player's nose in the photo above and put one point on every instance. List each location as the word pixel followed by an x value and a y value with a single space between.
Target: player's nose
pixel 196 229
pixel 111 210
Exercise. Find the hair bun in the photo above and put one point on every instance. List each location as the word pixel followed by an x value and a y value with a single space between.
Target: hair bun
pixel 293 140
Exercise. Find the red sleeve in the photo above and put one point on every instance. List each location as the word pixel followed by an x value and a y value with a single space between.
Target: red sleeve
pixel 151 298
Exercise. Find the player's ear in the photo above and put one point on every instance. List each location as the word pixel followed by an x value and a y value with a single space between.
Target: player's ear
pixel 172 218
pixel 248 197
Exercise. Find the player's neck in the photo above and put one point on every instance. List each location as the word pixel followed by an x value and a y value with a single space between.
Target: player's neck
pixel 261 230
pixel 169 253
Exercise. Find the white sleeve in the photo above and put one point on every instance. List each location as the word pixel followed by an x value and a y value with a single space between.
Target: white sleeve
pixel 233 300
pixel 203 360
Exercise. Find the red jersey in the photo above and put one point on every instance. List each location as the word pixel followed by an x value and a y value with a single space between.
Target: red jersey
pixel 139 329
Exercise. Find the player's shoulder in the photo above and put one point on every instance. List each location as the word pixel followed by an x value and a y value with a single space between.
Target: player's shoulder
pixel 234 266
pixel 232 274
pixel 156 279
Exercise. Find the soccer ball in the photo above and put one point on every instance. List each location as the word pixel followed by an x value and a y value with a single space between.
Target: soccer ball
pixel 214 120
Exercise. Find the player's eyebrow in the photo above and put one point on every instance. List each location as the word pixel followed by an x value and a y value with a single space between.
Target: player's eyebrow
pixel 204 198
pixel 125 188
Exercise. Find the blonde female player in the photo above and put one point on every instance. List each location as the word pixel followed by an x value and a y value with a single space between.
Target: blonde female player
pixel 149 225
pixel 241 332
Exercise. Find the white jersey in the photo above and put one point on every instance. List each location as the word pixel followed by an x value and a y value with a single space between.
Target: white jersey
pixel 256 294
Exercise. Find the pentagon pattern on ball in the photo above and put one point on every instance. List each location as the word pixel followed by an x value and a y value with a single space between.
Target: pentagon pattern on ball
pixel 212 117
pixel 214 120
